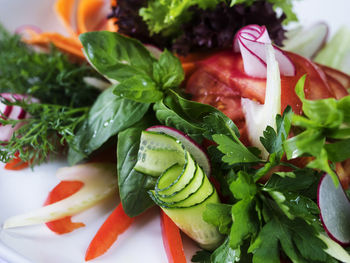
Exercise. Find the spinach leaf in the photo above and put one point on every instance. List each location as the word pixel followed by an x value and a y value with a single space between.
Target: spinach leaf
pixel 133 185
pixel 109 115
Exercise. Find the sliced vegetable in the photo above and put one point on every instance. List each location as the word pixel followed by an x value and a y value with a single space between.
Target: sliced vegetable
pixel 197 151
pixel 334 249
pixel 172 240
pixel 63 190
pixel 9 112
pixel 250 41
pixel 16 163
pixel 88 18
pixel 307 42
pixel 64 11
pixel 100 182
pixel 258 116
pixel 334 210
pixel 158 152
pixel 115 225
pixel 70 45
pixel 336 53
pixel 182 190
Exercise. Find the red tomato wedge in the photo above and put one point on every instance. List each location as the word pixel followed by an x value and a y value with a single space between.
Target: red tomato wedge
pixel 117 222
pixel 63 190
pixel 172 240
pixel 220 81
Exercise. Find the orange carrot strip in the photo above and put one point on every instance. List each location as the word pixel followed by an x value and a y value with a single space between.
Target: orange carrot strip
pixel 64 10
pixel 111 23
pixel 16 163
pixel 63 190
pixel 69 45
pixel 87 17
pixel 172 240
pixel 188 67
pixel 115 225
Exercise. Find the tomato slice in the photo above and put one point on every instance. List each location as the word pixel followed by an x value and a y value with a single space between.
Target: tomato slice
pixel 220 81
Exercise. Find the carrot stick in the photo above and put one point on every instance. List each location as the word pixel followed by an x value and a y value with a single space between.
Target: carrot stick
pixel 87 17
pixel 69 45
pixel 64 10
pixel 63 190
pixel 111 23
pixel 115 225
pixel 172 240
pixel 16 163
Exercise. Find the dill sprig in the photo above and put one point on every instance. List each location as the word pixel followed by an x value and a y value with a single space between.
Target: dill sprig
pixel 64 99
pixel 45 134
pixel 48 76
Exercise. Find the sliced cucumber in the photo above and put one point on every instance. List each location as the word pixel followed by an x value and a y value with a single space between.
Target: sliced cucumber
pixel 182 189
pixel 157 153
pixel 154 162
pixel 196 181
pixel 166 185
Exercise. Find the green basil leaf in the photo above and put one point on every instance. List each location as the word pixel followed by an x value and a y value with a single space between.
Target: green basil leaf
pixel 195 119
pixel 133 186
pixel 115 56
pixel 109 115
pixel 139 88
pixel 168 70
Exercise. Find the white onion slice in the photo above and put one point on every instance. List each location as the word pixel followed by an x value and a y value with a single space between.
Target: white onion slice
pixel 250 41
pixel 100 182
pixel 259 116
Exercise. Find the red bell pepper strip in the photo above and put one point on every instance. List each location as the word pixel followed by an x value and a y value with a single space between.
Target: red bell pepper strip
pixel 16 163
pixel 117 222
pixel 172 240
pixel 63 190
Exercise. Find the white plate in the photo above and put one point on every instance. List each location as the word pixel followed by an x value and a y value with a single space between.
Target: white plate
pixel 25 190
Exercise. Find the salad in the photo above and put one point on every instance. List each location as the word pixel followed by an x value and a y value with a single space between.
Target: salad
pixel 243 145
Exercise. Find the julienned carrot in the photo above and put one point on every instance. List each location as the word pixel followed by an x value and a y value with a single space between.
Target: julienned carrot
pixel 70 45
pixel 115 224
pixel 16 163
pixel 87 15
pixel 172 240
pixel 63 190
pixel 64 10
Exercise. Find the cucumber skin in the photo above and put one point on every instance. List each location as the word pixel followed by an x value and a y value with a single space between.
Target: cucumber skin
pixel 189 221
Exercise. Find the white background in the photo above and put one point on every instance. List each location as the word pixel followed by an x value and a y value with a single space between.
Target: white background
pixel 26 190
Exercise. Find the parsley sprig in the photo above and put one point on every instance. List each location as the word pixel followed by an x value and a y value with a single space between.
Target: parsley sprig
pixel 268 220
pixel 325 132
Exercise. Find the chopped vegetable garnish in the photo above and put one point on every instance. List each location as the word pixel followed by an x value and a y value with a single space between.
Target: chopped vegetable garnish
pixel 116 223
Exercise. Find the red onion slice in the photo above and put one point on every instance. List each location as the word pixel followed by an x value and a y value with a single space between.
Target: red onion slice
pixel 250 41
pixel 12 113
pixel 24 28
